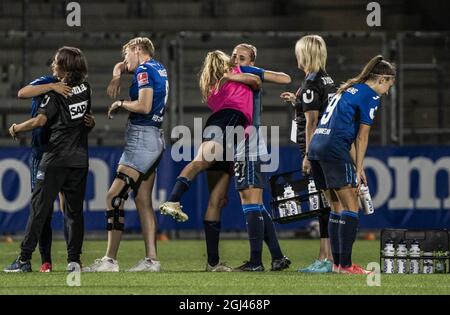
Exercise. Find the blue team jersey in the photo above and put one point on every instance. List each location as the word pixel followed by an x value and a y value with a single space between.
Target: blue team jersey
pixel 339 125
pixel 150 74
pixel 40 136
pixel 257 102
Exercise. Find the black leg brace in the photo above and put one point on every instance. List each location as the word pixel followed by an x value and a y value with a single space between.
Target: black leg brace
pixel 118 213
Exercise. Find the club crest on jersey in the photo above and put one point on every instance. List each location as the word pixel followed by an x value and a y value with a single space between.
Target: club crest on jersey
pixel 142 78
pixel 77 110
pixel 308 96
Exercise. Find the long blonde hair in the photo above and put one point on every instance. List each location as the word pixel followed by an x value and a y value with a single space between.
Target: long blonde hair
pixel 377 66
pixel 311 52
pixel 215 65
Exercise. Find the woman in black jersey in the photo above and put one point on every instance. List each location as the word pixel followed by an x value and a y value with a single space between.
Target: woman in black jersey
pixel 64 166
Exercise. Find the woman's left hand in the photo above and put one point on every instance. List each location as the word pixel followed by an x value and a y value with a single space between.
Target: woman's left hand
pixel 306 166
pixel 114 106
pixel 360 179
pixel 89 121
pixel 12 132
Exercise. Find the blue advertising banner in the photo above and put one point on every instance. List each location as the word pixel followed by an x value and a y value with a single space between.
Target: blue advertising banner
pixel 409 187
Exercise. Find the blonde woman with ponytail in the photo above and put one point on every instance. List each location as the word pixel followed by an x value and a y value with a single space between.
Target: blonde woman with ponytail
pixel 347 119
pixel 228 93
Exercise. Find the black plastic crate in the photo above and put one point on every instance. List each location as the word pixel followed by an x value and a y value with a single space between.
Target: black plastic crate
pixel 299 184
pixel 429 241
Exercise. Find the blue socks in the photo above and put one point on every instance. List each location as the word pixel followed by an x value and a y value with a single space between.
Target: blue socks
pixel 270 235
pixel 181 186
pixel 255 230
pixel 212 232
pixel 333 232
pixel 348 227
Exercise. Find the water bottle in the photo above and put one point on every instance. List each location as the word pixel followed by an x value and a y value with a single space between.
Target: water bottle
pixel 366 200
pixel 414 255
pixel 291 205
pixel 401 254
pixel 313 199
pixel 389 253
pixel 428 262
pixel 281 207
pixel 439 263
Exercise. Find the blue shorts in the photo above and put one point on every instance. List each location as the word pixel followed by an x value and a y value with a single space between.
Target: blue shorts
pixel 247 174
pixel 144 146
pixel 333 174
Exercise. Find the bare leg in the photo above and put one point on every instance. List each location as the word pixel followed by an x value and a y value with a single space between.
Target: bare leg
pixel 147 216
pixel 218 182
pixel 251 195
pixel 202 161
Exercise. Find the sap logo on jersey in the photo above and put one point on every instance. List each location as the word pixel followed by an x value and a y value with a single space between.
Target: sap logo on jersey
pixel 77 110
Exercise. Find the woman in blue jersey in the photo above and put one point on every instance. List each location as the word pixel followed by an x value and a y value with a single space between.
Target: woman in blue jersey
pixel 347 120
pixel 144 146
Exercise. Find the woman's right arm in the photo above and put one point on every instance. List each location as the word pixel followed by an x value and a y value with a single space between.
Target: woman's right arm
pixel 30 91
pixel 361 142
pixel 113 89
pixel 248 79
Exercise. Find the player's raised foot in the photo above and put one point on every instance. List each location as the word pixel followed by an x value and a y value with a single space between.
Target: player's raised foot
pixel 174 209
pixel 249 267
pixel 280 264
pixel 219 267
pixel 104 264
pixel 19 266
pixel 46 267
pixel 354 270
pixel 336 269
pixel 146 265
pixel 318 266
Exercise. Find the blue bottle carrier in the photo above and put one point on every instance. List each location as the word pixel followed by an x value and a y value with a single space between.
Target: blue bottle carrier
pixel 299 184
pixel 432 241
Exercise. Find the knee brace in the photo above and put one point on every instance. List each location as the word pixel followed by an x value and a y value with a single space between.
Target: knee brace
pixel 118 213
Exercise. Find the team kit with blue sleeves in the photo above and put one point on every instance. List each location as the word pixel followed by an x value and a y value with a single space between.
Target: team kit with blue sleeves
pixel 40 136
pixel 247 166
pixel 39 141
pixel 144 142
pixel 150 74
pixel 329 150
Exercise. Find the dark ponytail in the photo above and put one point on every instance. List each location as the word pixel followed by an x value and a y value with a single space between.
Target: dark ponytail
pixel 377 66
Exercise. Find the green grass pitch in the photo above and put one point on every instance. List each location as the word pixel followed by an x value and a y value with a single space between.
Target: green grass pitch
pixel 183 263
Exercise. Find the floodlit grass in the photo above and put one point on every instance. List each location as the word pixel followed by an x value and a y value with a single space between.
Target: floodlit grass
pixel 183 265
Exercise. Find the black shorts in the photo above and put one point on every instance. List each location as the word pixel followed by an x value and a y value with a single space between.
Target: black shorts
pixel 223 119
pixel 222 166
pixel 333 174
